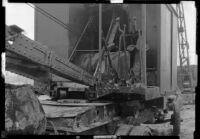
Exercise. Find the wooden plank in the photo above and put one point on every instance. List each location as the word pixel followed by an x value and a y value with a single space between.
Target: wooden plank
pixel 72 104
pixel 92 126
pixel 58 112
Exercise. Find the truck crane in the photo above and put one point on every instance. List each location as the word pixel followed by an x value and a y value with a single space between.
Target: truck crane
pixel 113 91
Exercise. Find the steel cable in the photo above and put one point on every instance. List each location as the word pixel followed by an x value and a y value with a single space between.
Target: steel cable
pixel 53 18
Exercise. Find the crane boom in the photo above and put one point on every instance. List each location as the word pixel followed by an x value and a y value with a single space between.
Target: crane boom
pixel 23 55
pixel 183 48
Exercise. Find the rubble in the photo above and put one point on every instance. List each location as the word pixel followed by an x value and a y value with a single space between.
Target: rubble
pixel 23 111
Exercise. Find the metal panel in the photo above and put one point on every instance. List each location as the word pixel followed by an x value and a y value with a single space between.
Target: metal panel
pixel 134 10
pixel 152 40
pixel 153 43
pixel 165 50
pixel 78 18
pixel 50 33
pixel 168 45
pixel 174 52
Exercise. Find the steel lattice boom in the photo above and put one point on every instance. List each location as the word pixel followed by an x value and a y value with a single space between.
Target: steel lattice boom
pixel 183 46
pixel 34 60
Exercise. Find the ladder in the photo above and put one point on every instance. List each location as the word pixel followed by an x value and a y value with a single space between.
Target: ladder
pixel 185 75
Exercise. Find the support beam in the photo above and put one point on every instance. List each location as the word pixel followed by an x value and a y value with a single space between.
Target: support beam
pixel 100 27
pixel 143 45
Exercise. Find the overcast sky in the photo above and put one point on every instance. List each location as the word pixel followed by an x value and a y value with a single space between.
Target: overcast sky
pixel 23 16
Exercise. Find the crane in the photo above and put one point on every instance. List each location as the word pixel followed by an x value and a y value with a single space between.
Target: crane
pixel 185 74
pixel 108 97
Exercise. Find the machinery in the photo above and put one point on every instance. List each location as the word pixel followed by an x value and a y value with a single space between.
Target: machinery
pixel 101 64
pixel 185 74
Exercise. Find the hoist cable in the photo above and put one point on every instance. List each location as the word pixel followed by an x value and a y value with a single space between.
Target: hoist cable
pixel 53 18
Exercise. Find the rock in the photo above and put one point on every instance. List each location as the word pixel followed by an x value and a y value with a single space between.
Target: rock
pixel 23 111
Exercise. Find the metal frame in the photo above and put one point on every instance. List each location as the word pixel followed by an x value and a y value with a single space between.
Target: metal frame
pixel 41 56
pixel 183 45
pixel 143 45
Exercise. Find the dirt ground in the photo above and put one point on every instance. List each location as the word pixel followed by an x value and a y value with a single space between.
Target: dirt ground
pixel 188 123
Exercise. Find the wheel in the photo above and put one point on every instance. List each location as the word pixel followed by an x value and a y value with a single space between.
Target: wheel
pixel 175 103
pixel 176 119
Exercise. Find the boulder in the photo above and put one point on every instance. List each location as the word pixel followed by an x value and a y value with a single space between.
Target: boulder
pixel 23 111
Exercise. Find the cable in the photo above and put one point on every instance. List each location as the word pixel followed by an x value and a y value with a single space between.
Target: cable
pixel 90 21
pixel 53 18
pixel 58 21
pixel 49 15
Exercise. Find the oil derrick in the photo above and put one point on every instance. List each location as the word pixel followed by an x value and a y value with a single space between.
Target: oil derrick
pixel 184 74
